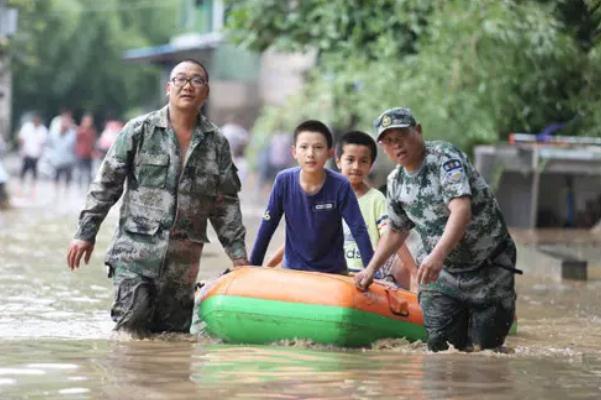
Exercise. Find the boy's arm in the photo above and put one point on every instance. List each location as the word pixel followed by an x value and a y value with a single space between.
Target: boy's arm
pixel 406 275
pixel 459 217
pixel 269 223
pixel 276 258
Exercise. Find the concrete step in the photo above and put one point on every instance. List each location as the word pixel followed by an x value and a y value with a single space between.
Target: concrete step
pixel 551 262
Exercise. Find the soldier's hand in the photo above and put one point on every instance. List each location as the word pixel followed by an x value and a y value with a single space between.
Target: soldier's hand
pixel 77 249
pixel 429 270
pixel 363 279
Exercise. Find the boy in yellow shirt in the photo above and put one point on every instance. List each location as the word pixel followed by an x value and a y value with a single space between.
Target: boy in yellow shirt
pixel 356 153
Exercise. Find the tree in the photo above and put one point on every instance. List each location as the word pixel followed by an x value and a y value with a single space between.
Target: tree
pixel 471 71
pixel 68 53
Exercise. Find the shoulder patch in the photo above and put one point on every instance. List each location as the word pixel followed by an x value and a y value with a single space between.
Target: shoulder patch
pixel 452 164
pixel 454 176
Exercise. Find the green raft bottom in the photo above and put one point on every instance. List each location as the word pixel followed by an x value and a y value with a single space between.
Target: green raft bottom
pixel 237 319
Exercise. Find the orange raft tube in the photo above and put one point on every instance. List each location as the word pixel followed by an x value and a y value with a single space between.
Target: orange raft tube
pixel 263 305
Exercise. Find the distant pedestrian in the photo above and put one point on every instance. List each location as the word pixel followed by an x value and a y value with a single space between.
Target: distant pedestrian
pixel 3 176
pixel 280 156
pixel 32 138
pixel 84 149
pixel 238 138
pixel 108 136
pixel 61 148
pixel 276 156
pixel 58 121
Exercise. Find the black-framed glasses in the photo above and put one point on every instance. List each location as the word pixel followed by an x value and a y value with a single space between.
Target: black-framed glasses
pixel 196 81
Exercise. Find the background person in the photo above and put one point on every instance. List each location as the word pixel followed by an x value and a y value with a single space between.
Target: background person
pixel 85 142
pixel 3 176
pixel 61 149
pixel 238 138
pixel 32 139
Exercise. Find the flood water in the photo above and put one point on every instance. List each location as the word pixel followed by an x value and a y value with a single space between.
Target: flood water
pixel 56 340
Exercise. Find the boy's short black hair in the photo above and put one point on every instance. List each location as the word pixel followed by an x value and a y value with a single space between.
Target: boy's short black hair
pixel 357 137
pixel 313 125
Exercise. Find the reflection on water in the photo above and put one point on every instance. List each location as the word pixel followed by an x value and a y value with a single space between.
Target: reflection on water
pixel 182 369
pixel 56 340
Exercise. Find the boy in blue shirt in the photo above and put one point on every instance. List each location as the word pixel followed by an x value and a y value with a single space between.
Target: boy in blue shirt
pixel 314 200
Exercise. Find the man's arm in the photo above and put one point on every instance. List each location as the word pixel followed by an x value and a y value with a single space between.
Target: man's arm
pixel 459 218
pixel 226 216
pixel 388 244
pixel 104 193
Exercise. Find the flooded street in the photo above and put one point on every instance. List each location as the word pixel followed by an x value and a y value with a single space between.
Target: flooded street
pixel 56 340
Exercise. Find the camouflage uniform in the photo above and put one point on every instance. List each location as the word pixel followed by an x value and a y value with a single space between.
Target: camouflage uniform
pixel 473 300
pixel 156 249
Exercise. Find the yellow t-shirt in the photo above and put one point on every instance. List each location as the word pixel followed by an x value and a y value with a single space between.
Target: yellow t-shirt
pixel 373 209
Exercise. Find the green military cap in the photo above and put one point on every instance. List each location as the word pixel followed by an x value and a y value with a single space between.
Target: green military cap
pixel 398 117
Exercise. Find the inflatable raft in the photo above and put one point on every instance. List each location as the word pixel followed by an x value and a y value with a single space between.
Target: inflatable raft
pixel 264 305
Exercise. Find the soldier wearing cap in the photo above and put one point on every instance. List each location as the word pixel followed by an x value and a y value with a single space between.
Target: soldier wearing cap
pixel 175 171
pixel 467 264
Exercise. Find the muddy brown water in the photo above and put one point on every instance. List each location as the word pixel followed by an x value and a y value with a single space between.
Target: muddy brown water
pixel 56 340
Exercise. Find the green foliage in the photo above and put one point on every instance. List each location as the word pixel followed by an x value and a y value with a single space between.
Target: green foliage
pixel 471 71
pixel 68 53
pixel 341 26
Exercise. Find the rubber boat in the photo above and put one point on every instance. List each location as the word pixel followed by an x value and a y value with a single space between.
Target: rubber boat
pixel 262 305
pixel 259 305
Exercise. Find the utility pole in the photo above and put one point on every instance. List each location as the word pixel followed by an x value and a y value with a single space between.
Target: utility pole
pixel 8 27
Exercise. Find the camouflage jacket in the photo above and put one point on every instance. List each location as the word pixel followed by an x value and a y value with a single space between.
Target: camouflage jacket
pixel 163 198
pixel 419 200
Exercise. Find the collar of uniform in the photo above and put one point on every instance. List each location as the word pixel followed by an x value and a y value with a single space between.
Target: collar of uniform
pixel 203 125
pixel 162 117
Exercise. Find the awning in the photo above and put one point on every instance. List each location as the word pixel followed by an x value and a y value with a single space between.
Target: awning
pixel 189 45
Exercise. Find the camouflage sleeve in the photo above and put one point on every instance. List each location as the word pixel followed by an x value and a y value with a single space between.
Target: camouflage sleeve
pixel 226 217
pixel 454 181
pixel 107 187
pixel 397 218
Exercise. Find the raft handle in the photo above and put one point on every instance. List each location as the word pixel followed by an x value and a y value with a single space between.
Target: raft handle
pixel 397 306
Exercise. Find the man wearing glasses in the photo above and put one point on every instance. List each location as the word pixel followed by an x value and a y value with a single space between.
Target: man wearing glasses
pixel 468 260
pixel 175 171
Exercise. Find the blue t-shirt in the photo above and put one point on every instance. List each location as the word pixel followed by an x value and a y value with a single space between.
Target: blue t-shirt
pixel 314 235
